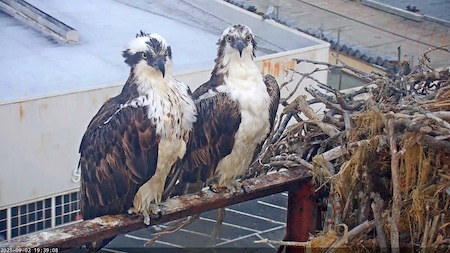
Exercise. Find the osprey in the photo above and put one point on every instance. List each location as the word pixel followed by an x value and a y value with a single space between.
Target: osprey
pixel 236 110
pixel 132 143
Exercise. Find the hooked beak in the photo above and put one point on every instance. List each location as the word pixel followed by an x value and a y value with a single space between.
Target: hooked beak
pixel 239 46
pixel 159 64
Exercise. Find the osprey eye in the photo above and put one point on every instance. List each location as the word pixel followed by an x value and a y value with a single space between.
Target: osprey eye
pixel 229 38
pixel 144 56
pixel 248 38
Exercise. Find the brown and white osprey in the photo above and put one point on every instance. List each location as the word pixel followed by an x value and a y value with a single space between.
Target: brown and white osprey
pixel 132 143
pixel 236 109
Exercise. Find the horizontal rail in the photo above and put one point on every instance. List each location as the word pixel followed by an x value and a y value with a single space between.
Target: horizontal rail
pixel 31 15
pixel 84 232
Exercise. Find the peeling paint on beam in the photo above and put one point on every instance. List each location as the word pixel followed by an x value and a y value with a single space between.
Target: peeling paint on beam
pixel 77 234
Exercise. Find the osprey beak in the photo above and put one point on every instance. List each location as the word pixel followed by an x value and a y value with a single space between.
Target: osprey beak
pixel 239 46
pixel 159 64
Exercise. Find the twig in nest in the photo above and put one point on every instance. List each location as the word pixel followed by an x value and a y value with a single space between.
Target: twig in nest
pixel 350 106
pixel 337 152
pixel 315 92
pixel 396 203
pixel 342 241
pixel 309 75
pixel 294 158
pixel 285 243
pixel 172 229
pixel 288 78
pixel 217 227
pixel 347 205
pixel 362 212
pixel 290 108
pixel 329 129
pixel 329 102
pixel 442 115
pixel 424 57
pixel 332 66
pixel 348 124
pixel 281 128
pixel 435 144
pixel 439 241
pixel 439 120
pixel 425 235
pixel 303 76
pixel 329 117
pixel 377 208
pixel 354 233
pixel 337 207
pixel 433 230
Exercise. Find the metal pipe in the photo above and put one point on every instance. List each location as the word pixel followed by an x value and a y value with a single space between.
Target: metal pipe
pixel 300 215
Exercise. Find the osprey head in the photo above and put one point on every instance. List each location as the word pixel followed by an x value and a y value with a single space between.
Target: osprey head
pixel 148 51
pixel 239 38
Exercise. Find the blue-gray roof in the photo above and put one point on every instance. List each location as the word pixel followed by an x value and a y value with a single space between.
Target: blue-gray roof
pixel 34 64
pixel 360 52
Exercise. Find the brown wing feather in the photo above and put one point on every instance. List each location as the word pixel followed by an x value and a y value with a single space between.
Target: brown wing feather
pixel 215 81
pixel 274 93
pixel 116 159
pixel 218 120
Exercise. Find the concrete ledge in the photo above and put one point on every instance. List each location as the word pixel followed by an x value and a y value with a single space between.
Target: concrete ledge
pixel 437 20
pixel 393 10
pixel 26 12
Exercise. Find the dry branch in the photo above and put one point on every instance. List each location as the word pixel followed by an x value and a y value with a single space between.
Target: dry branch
pixel 285 243
pixel 309 112
pixel 354 233
pixel 377 208
pixel 395 142
pixel 395 212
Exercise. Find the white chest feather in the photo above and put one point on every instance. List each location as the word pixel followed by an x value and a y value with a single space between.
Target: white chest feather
pixel 170 108
pixel 173 112
pixel 245 85
pixel 169 105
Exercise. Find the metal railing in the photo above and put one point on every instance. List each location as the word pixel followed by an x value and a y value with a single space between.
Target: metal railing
pixel 299 222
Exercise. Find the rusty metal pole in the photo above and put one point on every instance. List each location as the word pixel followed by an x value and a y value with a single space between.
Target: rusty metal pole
pixel 300 215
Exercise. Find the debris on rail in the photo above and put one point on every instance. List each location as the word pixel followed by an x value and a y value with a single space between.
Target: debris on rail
pixel 81 233
pixel 380 155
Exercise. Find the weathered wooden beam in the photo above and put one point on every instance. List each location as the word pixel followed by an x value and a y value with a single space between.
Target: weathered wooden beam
pixel 77 234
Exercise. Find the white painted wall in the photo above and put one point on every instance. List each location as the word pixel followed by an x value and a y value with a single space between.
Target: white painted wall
pixel 40 137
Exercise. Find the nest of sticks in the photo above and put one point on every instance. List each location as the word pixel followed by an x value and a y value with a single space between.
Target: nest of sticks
pixel 380 155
